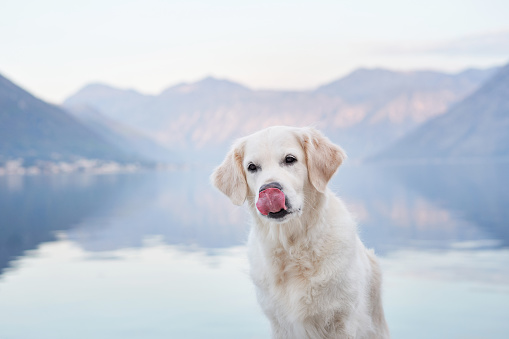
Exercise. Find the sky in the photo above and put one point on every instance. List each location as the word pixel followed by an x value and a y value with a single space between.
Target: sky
pixel 53 48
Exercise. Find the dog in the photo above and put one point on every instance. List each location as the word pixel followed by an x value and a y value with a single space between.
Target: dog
pixel 314 278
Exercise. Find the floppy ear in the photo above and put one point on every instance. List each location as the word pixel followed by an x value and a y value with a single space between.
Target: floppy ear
pixel 323 158
pixel 229 177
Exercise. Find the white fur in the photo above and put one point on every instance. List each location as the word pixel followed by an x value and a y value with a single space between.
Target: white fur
pixel 314 277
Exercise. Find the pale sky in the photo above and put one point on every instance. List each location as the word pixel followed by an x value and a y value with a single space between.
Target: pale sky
pixel 53 48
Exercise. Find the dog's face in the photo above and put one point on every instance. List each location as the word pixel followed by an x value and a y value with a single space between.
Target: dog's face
pixel 276 173
pixel 276 168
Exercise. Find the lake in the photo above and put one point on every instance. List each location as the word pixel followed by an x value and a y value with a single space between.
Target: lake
pixel 161 254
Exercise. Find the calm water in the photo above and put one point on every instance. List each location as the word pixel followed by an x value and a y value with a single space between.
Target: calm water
pixel 161 255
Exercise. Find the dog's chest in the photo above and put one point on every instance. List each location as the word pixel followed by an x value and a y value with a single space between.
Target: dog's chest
pixel 291 268
pixel 289 281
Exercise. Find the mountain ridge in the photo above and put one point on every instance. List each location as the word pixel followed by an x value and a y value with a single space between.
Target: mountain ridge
pixel 364 116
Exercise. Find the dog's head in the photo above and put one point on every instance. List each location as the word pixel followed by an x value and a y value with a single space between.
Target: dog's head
pixel 276 168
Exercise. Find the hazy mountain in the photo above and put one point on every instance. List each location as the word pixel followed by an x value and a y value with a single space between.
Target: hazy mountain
pixel 33 129
pixel 122 136
pixel 117 102
pixel 477 127
pixel 209 86
pixel 365 111
pixel 394 103
pixel 381 85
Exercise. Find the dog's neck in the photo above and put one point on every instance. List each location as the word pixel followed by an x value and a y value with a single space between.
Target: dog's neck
pixel 298 231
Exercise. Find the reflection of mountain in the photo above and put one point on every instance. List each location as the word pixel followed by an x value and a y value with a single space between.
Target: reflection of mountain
pixel 32 209
pixel 33 129
pixel 364 111
pixel 477 193
pixel 427 206
pixel 395 210
pixel 398 207
pixel 115 211
pixel 180 207
pixel 477 127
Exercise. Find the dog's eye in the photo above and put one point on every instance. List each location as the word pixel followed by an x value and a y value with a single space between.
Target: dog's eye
pixel 290 159
pixel 252 167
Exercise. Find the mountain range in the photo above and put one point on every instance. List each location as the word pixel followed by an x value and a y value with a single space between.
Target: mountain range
pixel 436 114
pixel 36 133
pixel 475 128
pixel 364 112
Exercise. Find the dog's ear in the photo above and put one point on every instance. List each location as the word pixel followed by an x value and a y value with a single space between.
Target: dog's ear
pixel 229 177
pixel 322 156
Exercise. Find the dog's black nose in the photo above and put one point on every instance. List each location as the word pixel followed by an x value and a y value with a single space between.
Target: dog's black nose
pixel 271 185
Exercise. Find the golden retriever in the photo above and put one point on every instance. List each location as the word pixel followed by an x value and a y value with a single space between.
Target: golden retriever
pixel 314 277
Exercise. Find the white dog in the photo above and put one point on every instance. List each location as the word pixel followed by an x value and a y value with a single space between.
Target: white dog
pixel 314 277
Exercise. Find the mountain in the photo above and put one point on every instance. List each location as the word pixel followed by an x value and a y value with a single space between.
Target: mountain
pixel 209 86
pixel 476 127
pixel 125 138
pixel 118 103
pixel 394 103
pixel 365 111
pixel 381 85
pixel 32 129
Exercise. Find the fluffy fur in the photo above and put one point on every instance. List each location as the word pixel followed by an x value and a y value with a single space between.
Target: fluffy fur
pixel 314 277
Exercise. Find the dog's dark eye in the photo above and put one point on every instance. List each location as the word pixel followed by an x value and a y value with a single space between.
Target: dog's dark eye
pixel 290 159
pixel 252 167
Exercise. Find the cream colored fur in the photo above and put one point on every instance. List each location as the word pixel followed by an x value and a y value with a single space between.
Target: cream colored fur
pixel 314 277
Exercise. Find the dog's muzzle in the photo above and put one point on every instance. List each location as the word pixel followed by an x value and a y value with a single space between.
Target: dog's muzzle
pixel 272 201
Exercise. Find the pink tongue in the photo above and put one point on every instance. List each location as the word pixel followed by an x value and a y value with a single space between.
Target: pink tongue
pixel 271 200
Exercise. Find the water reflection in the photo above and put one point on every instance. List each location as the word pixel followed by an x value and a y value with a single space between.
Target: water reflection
pixel 152 255
pixel 33 208
pixel 108 212
pixel 478 193
pixel 180 207
pixel 397 207
pixel 428 207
